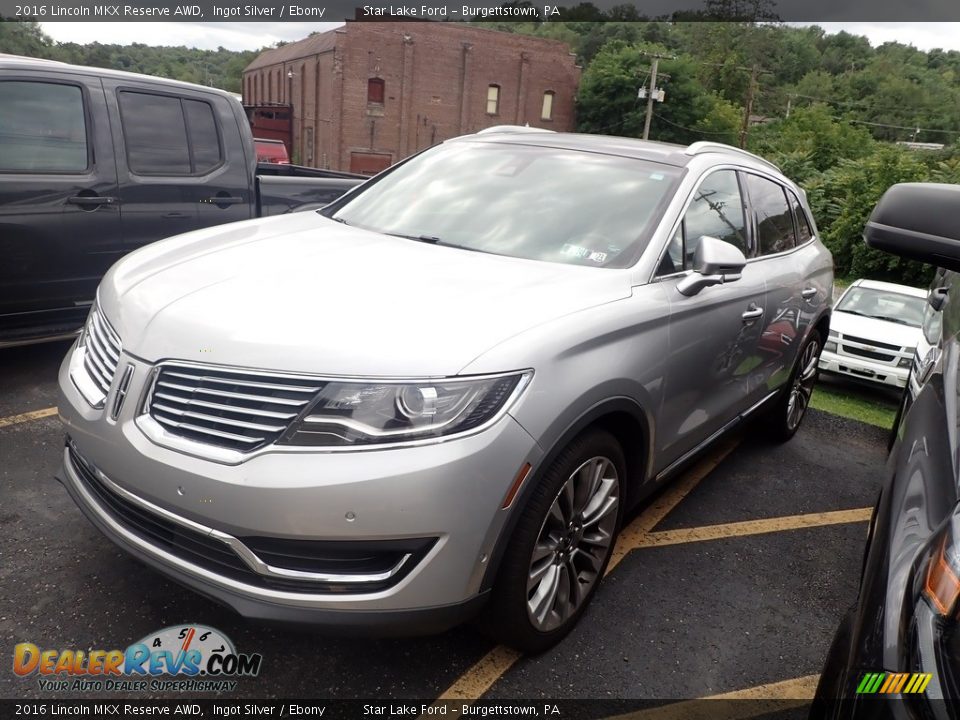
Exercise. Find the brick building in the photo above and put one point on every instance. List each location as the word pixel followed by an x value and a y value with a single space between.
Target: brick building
pixel 369 94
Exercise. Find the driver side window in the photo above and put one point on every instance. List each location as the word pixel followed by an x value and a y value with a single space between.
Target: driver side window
pixel 716 210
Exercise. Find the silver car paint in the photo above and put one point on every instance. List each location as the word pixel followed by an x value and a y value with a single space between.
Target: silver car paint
pixel 304 294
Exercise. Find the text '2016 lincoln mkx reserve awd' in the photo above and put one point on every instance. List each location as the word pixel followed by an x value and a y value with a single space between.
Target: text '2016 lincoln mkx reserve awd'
pixel 442 392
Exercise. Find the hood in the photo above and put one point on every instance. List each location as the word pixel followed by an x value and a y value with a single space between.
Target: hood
pixel 873 330
pixel 306 294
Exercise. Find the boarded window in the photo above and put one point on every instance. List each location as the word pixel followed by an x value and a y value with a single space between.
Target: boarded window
pixel 546 110
pixel 493 100
pixel 375 91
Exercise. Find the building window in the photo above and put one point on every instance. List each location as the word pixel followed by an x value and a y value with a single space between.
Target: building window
pixel 375 91
pixel 546 110
pixel 493 100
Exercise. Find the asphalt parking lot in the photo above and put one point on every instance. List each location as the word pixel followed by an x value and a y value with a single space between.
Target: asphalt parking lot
pixel 730 582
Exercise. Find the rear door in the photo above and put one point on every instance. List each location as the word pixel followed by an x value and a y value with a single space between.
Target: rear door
pixel 713 335
pixel 59 212
pixel 181 161
pixel 789 261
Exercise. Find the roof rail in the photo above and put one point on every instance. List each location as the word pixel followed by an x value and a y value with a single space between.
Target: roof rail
pixel 705 146
pixel 511 129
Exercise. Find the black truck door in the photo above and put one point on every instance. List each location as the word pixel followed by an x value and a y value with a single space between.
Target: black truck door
pixel 181 164
pixel 59 210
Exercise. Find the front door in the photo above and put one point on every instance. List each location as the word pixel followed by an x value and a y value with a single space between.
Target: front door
pixel 59 210
pixel 714 335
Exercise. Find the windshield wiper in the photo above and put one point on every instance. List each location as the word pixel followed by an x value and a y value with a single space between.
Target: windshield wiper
pixel 899 321
pixel 434 240
pixel 853 312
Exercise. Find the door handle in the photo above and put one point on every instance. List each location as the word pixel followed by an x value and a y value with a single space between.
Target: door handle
pixel 91 200
pixel 808 293
pixel 223 201
pixel 752 313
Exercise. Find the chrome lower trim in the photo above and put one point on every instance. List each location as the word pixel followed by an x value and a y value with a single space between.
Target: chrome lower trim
pixel 39 340
pixel 235 544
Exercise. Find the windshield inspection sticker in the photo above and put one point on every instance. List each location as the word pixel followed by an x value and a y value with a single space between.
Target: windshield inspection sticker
pixel 582 253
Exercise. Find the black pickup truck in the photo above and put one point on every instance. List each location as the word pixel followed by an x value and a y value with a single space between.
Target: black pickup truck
pixel 95 163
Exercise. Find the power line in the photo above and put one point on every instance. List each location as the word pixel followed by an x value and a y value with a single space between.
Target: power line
pixel 695 130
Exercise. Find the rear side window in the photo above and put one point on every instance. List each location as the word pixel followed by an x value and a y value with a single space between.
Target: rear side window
pixel 804 232
pixel 42 128
pixel 773 216
pixel 168 135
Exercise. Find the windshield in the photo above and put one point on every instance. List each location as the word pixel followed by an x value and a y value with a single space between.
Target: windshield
pixel 538 203
pixel 884 305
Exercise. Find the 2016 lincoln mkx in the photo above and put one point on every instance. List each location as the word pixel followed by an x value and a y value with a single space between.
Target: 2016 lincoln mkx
pixel 444 390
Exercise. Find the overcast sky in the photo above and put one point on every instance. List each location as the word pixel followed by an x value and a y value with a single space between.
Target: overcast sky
pixel 252 36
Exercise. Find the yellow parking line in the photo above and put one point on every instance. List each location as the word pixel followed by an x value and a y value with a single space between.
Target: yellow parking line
pixel 769 698
pixel 481 676
pixel 632 536
pixel 753 527
pixel 27 417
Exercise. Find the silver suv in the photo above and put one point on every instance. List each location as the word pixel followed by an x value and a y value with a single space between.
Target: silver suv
pixel 446 389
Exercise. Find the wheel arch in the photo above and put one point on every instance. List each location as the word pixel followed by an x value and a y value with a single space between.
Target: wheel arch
pixel 622 417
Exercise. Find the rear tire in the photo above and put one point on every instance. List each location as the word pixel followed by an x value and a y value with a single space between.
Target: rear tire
pixel 791 406
pixel 560 548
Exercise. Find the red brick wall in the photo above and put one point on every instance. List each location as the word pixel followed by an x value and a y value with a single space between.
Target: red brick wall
pixel 436 78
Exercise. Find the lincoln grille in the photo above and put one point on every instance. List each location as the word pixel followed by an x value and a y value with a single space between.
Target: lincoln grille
pixel 102 351
pixel 232 409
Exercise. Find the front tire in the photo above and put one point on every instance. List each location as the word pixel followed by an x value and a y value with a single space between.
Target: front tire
pixel 561 546
pixel 792 406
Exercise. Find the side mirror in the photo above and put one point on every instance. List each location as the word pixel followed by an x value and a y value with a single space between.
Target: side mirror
pixel 938 297
pixel 714 262
pixel 919 221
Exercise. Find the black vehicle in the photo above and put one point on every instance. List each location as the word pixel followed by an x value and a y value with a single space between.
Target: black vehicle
pixel 897 652
pixel 96 163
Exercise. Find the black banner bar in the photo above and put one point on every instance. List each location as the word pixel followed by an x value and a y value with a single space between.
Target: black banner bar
pixel 491 10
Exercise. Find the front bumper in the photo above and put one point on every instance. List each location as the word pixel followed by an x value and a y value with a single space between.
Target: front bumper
pixel 447 493
pixel 864 369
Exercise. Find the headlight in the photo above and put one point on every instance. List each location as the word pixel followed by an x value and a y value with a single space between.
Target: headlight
pixel 833 334
pixel 905 362
pixel 939 572
pixel 373 413
pixel 830 347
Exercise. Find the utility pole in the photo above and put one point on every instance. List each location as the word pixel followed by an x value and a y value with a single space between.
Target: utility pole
pixel 748 108
pixel 653 88
pixel 653 93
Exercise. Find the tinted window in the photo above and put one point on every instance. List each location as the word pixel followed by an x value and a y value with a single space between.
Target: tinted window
pixel 804 232
pixel 155 132
pixel 773 216
pixel 204 140
pixel 524 201
pixel 716 211
pixel 42 128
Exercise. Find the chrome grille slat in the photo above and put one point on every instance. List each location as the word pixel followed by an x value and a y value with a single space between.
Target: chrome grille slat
pixel 234 395
pixel 106 337
pixel 102 352
pixel 97 371
pixel 217 419
pixel 269 414
pixel 246 383
pixel 209 431
pixel 237 409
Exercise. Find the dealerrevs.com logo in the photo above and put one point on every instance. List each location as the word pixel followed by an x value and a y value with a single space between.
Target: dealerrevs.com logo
pixel 189 658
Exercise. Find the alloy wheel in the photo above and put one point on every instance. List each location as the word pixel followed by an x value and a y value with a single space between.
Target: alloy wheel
pixel 803 383
pixel 573 544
